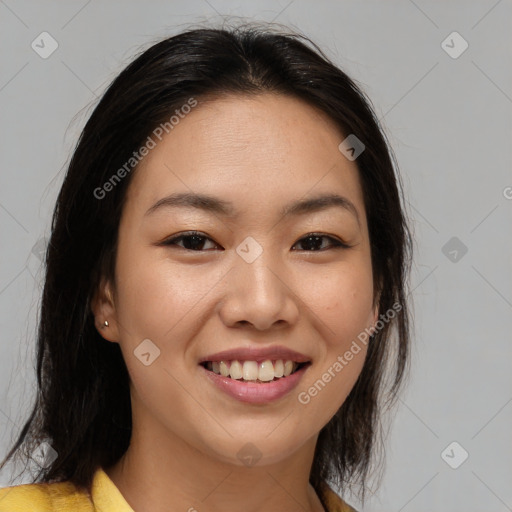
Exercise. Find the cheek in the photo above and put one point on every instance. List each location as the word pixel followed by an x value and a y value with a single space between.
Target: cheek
pixel 163 398
pixel 158 301
pixel 343 302
pixel 155 295
pixel 327 388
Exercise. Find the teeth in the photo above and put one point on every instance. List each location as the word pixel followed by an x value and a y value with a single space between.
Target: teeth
pixel 279 368
pixel 235 370
pixel 250 370
pixel 265 371
pixel 224 370
pixel 288 368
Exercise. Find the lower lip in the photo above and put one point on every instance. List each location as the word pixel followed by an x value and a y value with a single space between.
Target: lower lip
pixel 253 392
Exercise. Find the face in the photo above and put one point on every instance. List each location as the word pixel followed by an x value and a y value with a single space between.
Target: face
pixel 251 278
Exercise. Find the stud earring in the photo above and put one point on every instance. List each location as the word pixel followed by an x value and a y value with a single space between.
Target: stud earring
pixel 105 323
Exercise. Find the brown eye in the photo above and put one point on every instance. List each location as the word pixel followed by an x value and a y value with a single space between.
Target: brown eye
pixel 192 241
pixel 314 242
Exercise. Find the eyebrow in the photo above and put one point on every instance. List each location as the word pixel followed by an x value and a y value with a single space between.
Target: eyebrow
pixel 215 205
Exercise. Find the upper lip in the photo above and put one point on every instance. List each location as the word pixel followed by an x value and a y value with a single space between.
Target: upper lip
pixel 257 354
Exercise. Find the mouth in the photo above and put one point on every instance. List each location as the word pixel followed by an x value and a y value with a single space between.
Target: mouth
pixel 260 372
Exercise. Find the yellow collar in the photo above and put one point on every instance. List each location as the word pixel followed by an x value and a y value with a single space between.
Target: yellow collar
pixel 107 497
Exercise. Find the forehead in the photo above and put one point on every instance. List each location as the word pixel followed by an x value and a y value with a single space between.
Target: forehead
pixel 261 151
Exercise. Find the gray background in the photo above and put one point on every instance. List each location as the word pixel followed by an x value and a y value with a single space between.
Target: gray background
pixel 449 121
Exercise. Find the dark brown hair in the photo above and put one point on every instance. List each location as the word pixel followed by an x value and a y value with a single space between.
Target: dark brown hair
pixel 82 407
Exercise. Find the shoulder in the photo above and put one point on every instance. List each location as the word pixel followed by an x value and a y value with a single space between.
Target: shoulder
pixel 44 497
pixel 333 501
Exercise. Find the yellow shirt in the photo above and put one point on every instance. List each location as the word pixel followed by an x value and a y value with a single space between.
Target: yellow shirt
pixel 105 497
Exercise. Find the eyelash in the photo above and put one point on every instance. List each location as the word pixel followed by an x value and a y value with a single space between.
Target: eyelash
pixel 335 245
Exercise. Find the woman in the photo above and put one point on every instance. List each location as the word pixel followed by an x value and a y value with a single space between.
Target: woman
pixel 225 288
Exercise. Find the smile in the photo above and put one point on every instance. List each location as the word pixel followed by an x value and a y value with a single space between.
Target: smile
pixel 254 371
pixel 253 390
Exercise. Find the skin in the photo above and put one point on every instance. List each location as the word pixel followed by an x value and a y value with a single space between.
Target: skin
pixel 260 153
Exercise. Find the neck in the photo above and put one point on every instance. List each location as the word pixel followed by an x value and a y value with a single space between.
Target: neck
pixel 160 472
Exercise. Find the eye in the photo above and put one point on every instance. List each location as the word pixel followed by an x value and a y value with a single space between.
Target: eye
pixel 314 241
pixel 195 241
pixel 192 240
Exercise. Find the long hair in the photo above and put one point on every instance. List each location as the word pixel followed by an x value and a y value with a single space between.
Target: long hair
pixel 82 407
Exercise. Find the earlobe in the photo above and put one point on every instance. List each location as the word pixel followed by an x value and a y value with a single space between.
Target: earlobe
pixel 376 309
pixel 104 311
pixel 374 317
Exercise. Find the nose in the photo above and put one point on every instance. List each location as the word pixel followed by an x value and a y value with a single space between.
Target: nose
pixel 260 294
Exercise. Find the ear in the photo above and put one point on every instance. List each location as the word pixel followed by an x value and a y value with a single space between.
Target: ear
pixel 375 316
pixel 103 309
